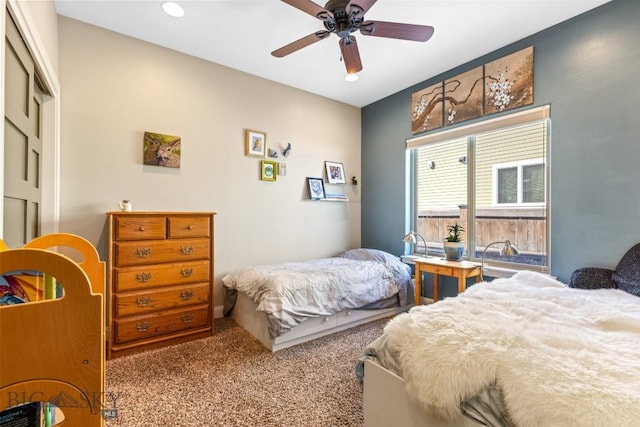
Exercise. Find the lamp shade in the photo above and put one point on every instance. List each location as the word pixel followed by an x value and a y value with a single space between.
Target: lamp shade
pixel 410 238
pixel 508 249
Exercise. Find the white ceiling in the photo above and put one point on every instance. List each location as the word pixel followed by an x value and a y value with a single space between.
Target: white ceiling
pixel 241 34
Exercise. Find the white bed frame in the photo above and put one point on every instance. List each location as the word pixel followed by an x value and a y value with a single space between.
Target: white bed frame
pixel 386 402
pixel 245 314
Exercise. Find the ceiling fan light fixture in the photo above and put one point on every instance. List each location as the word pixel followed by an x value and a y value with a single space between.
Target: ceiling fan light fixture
pixel 173 9
pixel 351 77
pixel 342 18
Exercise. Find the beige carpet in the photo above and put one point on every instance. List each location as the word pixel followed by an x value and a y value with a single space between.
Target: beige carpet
pixel 230 379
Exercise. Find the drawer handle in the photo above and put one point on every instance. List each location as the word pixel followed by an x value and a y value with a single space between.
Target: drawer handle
pixel 186 318
pixel 186 250
pixel 143 252
pixel 141 228
pixel 348 312
pixel 143 277
pixel 143 301
pixel 142 327
pixel 189 227
pixel 326 319
pixel 186 272
pixel 186 295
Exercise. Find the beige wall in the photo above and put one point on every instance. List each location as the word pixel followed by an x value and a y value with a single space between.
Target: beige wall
pixel 114 88
pixel 46 26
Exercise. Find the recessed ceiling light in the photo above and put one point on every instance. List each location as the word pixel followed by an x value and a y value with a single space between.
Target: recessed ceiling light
pixel 173 9
pixel 351 77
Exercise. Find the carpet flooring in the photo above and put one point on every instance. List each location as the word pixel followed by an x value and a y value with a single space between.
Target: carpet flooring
pixel 231 380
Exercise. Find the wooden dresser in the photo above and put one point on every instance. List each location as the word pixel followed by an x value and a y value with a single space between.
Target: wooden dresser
pixel 160 286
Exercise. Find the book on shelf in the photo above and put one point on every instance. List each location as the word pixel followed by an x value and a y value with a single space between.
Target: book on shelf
pixel 30 414
pixel 22 286
pixel 27 415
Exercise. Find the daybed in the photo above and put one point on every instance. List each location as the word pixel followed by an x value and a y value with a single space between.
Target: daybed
pixel 52 350
pixel 290 303
pixel 522 351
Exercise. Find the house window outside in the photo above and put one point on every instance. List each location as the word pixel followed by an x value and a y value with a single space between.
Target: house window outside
pixel 521 183
pixel 491 182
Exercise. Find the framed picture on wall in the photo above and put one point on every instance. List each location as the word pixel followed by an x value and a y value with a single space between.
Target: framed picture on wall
pixel 255 144
pixel 335 172
pixel 316 188
pixel 268 170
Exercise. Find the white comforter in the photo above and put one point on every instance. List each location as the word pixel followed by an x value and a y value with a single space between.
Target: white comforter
pixel 290 292
pixel 562 357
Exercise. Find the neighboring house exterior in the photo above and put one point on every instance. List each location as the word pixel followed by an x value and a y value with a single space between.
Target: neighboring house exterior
pixel 510 187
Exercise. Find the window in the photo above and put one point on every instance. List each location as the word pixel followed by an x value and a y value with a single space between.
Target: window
pixel 489 177
pixel 522 183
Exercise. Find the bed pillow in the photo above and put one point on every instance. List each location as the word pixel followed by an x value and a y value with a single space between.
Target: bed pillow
pixel 401 271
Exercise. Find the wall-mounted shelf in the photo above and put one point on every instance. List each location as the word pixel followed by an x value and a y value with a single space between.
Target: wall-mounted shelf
pixel 336 198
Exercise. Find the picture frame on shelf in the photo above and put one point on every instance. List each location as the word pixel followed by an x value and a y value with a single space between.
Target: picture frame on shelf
pixel 255 143
pixel 316 188
pixel 268 170
pixel 335 172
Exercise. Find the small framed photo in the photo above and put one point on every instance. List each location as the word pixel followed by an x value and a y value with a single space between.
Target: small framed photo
pixel 268 170
pixel 255 143
pixel 316 188
pixel 335 173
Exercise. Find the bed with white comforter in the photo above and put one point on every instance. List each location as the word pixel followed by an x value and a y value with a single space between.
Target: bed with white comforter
pixel 523 351
pixel 290 294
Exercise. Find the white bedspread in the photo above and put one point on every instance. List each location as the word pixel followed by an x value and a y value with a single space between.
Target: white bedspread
pixel 290 292
pixel 562 357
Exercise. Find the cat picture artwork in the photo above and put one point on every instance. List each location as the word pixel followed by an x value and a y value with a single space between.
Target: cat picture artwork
pixel 161 150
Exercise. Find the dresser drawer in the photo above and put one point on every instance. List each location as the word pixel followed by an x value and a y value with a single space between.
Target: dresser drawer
pixel 188 226
pixel 158 324
pixel 152 276
pixel 140 228
pixel 141 302
pixel 151 252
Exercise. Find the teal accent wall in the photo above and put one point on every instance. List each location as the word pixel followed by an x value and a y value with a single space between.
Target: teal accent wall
pixel 588 70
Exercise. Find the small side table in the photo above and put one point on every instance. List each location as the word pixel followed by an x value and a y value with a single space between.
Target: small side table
pixel 438 266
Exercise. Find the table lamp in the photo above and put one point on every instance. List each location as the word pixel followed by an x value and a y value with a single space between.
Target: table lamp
pixel 507 249
pixel 411 238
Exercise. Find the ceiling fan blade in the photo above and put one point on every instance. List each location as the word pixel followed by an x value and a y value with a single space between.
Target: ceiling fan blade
pixel 310 7
pixel 362 4
pixel 350 55
pixel 300 43
pixel 394 30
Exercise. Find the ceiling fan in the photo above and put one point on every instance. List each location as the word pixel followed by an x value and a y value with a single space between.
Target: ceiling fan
pixel 344 17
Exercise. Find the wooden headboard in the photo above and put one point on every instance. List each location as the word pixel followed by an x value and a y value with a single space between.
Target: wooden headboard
pixel 53 350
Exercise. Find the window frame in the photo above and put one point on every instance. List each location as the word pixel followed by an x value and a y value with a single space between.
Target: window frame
pixel 470 131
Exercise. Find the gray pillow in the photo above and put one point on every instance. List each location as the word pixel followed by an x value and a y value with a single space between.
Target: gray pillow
pixel 627 274
pixel 401 271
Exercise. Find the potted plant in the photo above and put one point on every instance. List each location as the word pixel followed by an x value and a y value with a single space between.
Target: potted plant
pixel 453 244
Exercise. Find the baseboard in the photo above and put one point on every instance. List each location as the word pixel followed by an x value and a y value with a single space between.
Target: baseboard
pixel 218 311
